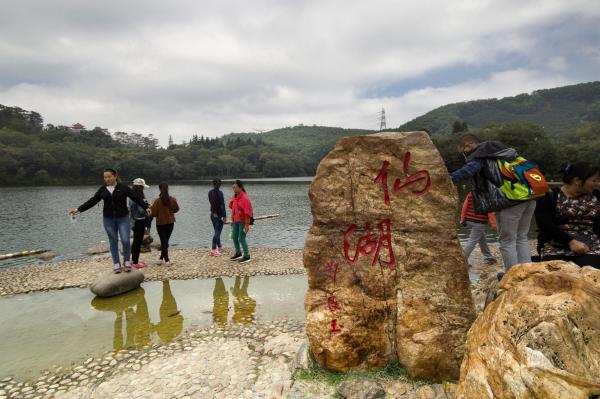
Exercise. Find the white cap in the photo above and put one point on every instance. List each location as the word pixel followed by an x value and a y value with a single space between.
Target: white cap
pixel 140 182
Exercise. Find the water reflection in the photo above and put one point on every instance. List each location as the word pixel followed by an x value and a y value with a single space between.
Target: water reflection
pixel 171 320
pixel 220 303
pixel 132 325
pixel 244 307
pixel 131 311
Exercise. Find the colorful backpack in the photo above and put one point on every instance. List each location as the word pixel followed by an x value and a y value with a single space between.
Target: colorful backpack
pixel 522 180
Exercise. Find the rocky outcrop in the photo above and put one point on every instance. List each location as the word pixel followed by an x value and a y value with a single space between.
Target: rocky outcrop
pixel 539 339
pixel 110 283
pixel 387 277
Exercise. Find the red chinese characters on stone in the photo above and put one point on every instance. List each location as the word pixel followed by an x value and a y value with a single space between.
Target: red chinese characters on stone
pixel 420 178
pixel 332 270
pixel 371 244
pixel 335 327
pixel 332 303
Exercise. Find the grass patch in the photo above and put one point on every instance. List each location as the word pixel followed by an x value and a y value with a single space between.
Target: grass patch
pixel 392 371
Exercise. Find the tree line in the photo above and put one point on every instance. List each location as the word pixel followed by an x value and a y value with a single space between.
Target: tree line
pixel 35 154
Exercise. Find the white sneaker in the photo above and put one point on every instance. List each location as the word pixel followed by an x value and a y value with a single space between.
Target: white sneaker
pixel 159 262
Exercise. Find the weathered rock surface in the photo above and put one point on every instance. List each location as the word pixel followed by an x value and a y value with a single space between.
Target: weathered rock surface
pixel 110 283
pixel 539 339
pixel 387 277
pixel 97 249
pixel 362 388
pixel 46 256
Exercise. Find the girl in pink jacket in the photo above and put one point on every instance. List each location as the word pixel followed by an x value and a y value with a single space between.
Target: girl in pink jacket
pixel 241 213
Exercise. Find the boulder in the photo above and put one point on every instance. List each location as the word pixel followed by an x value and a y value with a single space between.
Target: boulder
pixel 387 276
pixel 111 283
pixel 540 338
pixel 97 249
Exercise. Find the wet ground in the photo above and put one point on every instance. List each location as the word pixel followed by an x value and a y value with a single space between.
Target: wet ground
pixel 65 327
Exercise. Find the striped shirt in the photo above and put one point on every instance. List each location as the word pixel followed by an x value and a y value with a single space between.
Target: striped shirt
pixel 468 213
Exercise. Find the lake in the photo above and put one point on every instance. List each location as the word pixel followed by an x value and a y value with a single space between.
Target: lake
pixel 36 217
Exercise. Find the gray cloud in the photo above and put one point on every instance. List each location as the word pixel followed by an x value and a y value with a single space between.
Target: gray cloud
pixel 185 67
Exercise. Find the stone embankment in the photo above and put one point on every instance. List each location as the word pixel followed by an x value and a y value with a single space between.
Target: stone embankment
pixel 187 264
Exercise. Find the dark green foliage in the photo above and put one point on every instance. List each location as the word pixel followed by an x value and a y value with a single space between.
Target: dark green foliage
pixel 557 110
pixel 533 143
pixel 31 154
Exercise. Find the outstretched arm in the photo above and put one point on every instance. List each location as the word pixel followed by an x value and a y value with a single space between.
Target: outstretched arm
pixel 87 204
pixel 470 169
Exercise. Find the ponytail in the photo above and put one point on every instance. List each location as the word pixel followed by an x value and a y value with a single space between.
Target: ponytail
pixel 164 193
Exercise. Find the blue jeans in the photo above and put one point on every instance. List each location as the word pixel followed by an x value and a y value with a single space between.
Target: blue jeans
pixel 115 228
pixel 217 223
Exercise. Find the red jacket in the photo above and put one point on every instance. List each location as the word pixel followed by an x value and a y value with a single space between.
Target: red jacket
pixel 241 208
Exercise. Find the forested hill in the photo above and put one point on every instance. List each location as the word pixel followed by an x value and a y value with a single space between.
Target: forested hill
pixel 556 110
pixel 32 153
pixel 310 142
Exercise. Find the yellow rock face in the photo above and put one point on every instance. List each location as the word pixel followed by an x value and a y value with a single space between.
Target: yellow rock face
pixel 539 339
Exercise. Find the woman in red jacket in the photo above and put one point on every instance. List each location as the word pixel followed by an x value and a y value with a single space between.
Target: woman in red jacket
pixel 241 212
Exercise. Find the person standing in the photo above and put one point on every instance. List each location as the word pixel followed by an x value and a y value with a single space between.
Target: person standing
pixel 138 215
pixel 115 215
pixel 512 216
pixel 218 216
pixel 164 209
pixel 241 214
pixel 476 223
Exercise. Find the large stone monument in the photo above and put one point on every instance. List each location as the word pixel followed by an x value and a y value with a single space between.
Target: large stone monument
pixel 387 277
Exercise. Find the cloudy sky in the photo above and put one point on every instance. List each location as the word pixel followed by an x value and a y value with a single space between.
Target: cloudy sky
pixel 212 67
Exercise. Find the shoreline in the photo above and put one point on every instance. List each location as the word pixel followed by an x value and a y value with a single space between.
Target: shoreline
pixel 188 263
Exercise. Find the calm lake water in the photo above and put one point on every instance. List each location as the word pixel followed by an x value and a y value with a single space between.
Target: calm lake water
pixel 36 217
pixel 63 327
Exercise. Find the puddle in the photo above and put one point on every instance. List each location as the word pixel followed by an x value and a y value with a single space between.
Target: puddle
pixel 66 327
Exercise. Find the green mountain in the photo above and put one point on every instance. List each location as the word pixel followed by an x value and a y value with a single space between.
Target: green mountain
pixel 547 127
pixel 309 142
pixel 556 110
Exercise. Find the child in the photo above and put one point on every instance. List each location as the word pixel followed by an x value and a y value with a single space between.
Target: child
pixel 476 224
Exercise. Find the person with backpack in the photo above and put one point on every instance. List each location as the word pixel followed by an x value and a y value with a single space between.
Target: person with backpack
pixel 138 216
pixel 476 223
pixel 164 209
pixel 218 215
pixel 505 183
pixel 241 219
pixel 115 215
pixel 568 217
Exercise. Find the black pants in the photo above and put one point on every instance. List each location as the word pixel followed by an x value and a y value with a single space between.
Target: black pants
pixel 138 236
pixel 164 233
pixel 581 260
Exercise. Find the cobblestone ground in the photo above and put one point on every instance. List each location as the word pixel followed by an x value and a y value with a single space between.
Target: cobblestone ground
pixel 187 264
pixel 242 362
